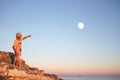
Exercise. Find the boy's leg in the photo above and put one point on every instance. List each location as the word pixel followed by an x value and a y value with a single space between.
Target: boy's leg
pixel 17 61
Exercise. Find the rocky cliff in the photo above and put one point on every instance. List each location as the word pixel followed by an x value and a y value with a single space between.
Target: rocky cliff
pixel 8 71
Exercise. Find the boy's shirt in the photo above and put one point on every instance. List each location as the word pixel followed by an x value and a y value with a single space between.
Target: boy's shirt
pixel 18 44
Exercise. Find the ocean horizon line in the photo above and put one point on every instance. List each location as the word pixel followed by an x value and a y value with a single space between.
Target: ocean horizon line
pixel 95 75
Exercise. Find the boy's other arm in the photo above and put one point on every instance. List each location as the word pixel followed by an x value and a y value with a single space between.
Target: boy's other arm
pixel 25 37
pixel 14 48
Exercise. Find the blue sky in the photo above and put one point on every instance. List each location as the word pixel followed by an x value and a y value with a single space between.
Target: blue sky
pixel 57 45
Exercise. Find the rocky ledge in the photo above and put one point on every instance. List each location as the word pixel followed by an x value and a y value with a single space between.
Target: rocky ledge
pixel 8 71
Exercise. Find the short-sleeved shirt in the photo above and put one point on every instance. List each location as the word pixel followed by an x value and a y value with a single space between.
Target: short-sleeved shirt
pixel 17 44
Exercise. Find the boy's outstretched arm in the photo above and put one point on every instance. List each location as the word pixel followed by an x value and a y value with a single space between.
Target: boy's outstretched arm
pixel 26 37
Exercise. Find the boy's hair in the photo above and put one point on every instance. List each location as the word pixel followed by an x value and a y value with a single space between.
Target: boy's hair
pixel 18 35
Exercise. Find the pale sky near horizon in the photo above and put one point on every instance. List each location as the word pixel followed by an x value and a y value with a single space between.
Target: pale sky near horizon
pixel 57 45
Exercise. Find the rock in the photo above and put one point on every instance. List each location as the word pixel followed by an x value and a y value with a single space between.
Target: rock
pixel 7 57
pixel 8 71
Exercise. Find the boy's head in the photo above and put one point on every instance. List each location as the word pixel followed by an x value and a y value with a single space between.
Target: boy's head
pixel 18 35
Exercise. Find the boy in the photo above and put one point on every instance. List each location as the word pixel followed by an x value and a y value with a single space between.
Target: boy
pixel 17 47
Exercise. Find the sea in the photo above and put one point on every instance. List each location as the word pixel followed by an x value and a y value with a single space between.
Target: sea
pixel 90 78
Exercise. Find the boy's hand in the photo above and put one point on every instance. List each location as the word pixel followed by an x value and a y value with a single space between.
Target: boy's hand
pixel 29 35
pixel 26 37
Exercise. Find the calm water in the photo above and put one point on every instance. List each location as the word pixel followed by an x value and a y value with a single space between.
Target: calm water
pixel 90 78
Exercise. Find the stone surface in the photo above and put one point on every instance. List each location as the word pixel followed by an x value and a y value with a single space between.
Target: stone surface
pixel 8 71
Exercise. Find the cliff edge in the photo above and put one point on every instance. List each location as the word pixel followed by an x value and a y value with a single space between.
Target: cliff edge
pixel 8 71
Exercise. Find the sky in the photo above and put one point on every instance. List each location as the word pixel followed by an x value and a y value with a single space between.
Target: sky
pixel 57 45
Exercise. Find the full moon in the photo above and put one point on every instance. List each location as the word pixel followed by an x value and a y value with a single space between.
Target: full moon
pixel 81 25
